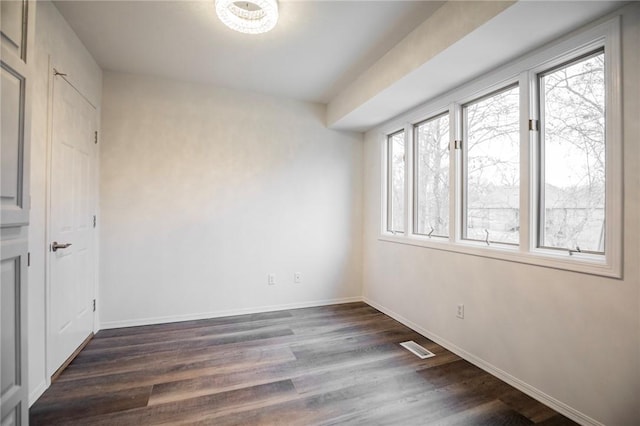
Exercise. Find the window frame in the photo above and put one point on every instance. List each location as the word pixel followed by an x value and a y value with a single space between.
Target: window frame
pixel 540 166
pixel 388 177
pixel 609 41
pixel 464 162
pixel 414 174
pixel 524 72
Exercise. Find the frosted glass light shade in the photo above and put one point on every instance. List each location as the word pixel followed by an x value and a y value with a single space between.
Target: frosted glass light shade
pixel 249 17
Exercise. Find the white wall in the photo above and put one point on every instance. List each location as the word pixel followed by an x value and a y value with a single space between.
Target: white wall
pixel 571 337
pixel 204 191
pixel 53 39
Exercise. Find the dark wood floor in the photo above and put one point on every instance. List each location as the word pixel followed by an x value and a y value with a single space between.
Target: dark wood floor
pixel 337 364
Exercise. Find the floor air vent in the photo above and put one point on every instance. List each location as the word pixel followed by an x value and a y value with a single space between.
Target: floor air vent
pixel 417 350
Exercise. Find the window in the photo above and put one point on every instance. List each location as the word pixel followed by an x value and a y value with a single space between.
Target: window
pixel 491 180
pixel 396 181
pixel 431 186
pixel 535 173
pixel 572 155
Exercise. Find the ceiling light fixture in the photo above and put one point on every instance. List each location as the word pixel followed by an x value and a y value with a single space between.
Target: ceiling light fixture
pixel 249 17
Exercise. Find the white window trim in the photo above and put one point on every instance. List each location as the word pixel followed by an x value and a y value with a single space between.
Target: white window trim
pixel 524 72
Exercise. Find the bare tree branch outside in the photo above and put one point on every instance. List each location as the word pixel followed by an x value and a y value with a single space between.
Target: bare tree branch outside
pixel 572 164
pixel 492 165
pixel 432 177
pixel 573 147
pixel 397 182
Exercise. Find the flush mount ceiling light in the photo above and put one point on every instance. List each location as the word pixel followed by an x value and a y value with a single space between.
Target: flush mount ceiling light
pixel 249 17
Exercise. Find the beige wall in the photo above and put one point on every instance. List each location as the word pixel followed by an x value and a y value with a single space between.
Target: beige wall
pixel 204 191
pixel 55 42
pixel 569 337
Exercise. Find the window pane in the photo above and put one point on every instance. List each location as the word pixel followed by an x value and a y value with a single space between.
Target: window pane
pixel 573 151
pixel 432 177
pixel 492 168
pixel 396 182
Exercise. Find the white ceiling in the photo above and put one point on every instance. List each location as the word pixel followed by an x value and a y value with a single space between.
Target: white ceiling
pixel 317 48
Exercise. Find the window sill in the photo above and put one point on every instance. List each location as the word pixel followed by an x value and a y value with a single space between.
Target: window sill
pixel 580 262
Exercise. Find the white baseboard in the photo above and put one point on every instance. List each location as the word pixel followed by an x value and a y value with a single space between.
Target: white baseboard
pixel 526 388
pixel 37 392
pixel 206 315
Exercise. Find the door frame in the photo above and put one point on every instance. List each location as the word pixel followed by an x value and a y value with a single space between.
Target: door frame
pixel 52 67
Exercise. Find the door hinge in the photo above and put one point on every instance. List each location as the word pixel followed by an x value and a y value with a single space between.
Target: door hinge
pixel 457 144
pixel 95 137
pixel 28 258
pixel 94 305
pixel 533 124
pixel 94 220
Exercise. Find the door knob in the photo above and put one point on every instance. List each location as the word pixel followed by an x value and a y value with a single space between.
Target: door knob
pixel 55 246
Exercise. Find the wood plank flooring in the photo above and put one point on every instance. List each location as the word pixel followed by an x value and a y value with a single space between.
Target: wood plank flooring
pixel 331 365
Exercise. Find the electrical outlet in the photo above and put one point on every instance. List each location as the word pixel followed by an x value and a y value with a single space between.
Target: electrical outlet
pixel 460 313
pixel 271 279
pixel 297 277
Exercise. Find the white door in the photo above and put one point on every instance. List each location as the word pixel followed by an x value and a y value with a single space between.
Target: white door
pixel 72 204
pixel 16 34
